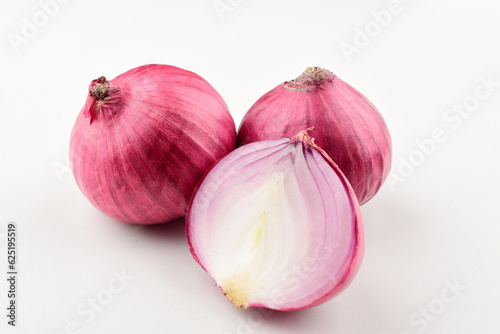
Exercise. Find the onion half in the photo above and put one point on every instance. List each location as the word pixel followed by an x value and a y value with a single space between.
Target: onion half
pixel 277 225
pixel 143 140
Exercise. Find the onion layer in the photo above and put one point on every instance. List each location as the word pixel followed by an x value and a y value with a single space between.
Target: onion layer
pixel 277 225
pixel 143 140
pixel 346 125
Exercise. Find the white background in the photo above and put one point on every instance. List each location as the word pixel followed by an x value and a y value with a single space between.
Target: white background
pixel 434 223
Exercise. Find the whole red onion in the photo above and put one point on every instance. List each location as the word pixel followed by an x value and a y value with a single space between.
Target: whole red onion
pixel 277 225
pixel 143 140
pixel 346 125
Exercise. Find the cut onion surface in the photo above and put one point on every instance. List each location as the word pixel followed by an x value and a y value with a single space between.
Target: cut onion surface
pixel 277 225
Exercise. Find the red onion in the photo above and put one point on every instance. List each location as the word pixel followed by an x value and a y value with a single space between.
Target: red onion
pixel 277 225
pixel 346 125
pixel 143 140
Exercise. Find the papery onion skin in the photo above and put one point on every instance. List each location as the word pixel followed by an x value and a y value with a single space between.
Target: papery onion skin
pixel 350 269
pixel 143 140
pixel 346 125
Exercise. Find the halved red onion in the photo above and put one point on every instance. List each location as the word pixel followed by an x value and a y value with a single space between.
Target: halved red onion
pixel 346 125
pixel 143 141
pixel 277 225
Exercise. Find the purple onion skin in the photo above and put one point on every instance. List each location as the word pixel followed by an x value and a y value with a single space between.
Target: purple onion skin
pixel 345 125
pixel 143 140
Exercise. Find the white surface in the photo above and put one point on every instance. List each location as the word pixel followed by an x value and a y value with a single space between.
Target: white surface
pixel 440 224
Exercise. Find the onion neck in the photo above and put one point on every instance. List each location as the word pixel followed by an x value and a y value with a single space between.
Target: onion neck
pixel 99 88
pixel 105 100
pixel 304 137
pixel 312 78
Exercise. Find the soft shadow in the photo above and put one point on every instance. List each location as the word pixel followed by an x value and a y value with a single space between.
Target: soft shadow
pixel 173 232
pixel 388 218
pixel 289 319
